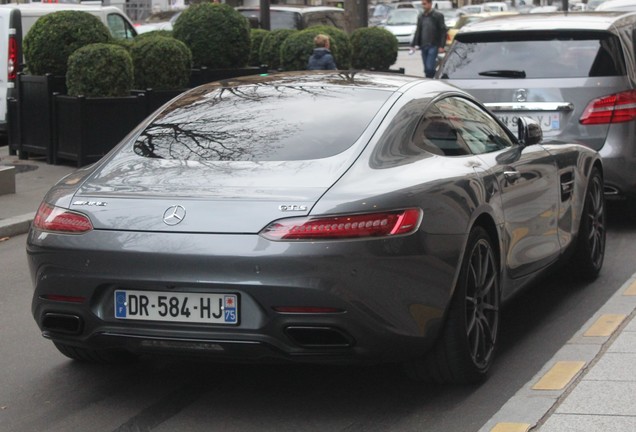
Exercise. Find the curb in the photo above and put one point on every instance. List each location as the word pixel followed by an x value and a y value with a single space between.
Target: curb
pixel 16 225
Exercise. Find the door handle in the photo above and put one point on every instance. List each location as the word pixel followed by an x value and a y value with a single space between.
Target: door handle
pixel 512 176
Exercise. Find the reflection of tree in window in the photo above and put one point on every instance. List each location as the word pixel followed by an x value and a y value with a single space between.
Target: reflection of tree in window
pixel 260 122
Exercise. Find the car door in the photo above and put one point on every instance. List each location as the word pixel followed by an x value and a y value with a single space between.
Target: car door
pixel 525 179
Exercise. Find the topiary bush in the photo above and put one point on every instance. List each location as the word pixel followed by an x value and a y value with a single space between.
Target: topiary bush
pixel 54 37
pixel 270 47
pixel 98 70
pixel 373 48
pixel 153 33
pixel 218 36
pixel 161 63
pixel 256 36
pixel 297 48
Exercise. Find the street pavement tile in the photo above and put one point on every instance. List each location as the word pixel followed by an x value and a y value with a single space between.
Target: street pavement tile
pixel 625 343
pixel 579 423
pixel 614 366
pixel 602 398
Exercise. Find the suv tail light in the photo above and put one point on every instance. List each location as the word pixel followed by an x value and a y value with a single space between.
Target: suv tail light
pixel 616 108
pixel 56 219
pixel 345 227
pixel 12 58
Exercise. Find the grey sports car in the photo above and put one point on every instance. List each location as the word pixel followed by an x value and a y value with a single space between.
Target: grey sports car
pixel 318 217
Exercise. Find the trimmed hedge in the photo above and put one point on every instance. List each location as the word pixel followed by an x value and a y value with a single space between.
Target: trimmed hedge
pixel 256 36
pixel 271 45
pixel 374 48
pixel 54 37
pixel 100 70
pixel 161 63
pixel 298 47
pixel 218 36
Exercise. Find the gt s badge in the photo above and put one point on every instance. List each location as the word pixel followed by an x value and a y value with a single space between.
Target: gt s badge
pixel 292 207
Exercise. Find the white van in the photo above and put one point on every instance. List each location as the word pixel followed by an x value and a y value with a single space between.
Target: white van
pixel 17 19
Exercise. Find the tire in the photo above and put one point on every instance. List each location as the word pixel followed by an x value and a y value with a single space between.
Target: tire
pixel 465 350
pixel 590 242
pixel 94 356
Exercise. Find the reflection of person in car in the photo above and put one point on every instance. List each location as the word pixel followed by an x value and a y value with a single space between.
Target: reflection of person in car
pixel 322 57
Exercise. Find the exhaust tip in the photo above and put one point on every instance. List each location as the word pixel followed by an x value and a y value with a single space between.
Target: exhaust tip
pixel 62 323
pixel 319 337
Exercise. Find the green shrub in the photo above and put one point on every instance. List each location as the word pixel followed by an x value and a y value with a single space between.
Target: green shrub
pixel 161 63
pixel 218 36
pixel 373 48
pixel 54 37
pixel 256 36
pixel 100 70
pixel 270 47
pixel 297 48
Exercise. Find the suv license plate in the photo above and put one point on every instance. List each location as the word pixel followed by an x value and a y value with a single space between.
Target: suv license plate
pixel 549 121
pixel 176 307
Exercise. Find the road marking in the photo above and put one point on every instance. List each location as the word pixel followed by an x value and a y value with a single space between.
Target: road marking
pixel 511 427
pixel 631 290
pixel 605 325
pixel 559 376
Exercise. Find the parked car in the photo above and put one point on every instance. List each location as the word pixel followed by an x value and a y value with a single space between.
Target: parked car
pixel 402 23
pixel 162 20
pixel 15 22
pixel 379 12
pixel 617 5
pixel 474 9
pixel 574 73
pixel 245 231
pixel 298 17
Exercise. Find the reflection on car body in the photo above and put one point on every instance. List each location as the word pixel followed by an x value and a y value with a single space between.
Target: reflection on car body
pixel 369 217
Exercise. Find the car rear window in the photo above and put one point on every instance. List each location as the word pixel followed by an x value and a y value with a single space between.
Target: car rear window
pixel 261 123
pixel 543 54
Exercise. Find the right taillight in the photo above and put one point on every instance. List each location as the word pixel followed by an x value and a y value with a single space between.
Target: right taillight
pixel 12 60
pixel 56 219
pixel 616 108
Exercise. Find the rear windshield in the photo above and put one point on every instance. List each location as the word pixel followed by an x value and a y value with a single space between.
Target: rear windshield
pixel 534 55
pixel 261 123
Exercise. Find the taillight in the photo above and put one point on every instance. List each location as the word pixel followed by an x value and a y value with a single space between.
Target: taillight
pixel 345 227
pixel 12 60
pixel 56 219
pixel 616 108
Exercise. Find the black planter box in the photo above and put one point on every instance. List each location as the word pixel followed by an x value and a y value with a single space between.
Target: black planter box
pixel 32 124
pixel 206 75
pixel 88 128
pixel 156 98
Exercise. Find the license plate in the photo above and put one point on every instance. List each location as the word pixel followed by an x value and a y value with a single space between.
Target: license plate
pixel 176 307
pixel 549 121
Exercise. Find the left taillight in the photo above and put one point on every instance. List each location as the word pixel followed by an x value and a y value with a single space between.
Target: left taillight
pixel 615 108
pixel 353 226
pixel 56 219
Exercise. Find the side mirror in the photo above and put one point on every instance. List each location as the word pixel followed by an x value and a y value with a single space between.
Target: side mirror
pixel 529 131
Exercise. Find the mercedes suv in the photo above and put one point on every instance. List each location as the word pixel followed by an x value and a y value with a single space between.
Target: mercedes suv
pixel 574 73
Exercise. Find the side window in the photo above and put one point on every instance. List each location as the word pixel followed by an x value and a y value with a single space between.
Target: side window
pixel 119 27
pixel 437 135
pixel 315 18
pixel 476 127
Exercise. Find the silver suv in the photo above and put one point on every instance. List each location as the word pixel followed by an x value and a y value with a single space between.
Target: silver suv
pixel 574 73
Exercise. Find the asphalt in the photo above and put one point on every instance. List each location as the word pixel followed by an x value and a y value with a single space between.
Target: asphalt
pixel 589 385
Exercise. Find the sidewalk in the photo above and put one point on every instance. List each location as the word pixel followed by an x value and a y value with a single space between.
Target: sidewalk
pixel 589 385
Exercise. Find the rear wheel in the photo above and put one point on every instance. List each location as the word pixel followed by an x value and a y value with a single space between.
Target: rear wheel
pixel 465 350
pixel 590 243
pixel 94 356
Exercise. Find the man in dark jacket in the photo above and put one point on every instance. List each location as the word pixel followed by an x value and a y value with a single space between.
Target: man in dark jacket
pixel 430 36
pixel 322 57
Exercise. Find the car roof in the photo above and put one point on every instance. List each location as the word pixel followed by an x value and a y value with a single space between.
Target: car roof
pixel 299 8
pixel 551 21
pixel 617 5
pixel 45 8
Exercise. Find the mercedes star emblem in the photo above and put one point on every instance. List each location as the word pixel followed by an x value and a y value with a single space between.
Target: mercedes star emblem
pixel 521 95
pixel 174 215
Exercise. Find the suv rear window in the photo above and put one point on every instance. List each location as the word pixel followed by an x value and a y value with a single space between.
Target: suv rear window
pixel 545 54
pixel 261 123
